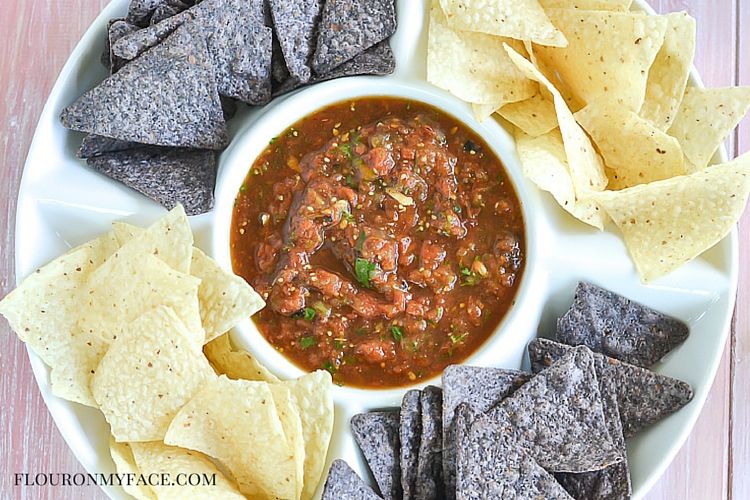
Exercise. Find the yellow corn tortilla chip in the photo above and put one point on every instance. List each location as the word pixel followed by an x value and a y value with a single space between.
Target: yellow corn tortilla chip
pixel 634 150
pixel 44 310
pixel 236 422
pixel 235 364
pixel 535 115
pixel 519 19
pixel 149 372
pixel 668 223
pixel 613 5
pixel 585 166
pixel 669 73
pixel 608 56
pixel 122 456
pixel 225 299
pixel 472 66
pixel 484 111
pixel 545 163
pixel 128 284
pixel 705 119
pixel 158 458
pixel 312 395
pixel 170 238
pixel 289 414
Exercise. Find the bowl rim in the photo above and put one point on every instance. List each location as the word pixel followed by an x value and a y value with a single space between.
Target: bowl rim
pixel 249 142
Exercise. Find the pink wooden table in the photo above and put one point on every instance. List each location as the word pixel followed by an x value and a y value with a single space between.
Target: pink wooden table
pixel 36 37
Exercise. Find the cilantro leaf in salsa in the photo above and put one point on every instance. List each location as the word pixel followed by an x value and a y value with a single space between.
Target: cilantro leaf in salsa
pixel 363 268
pixel 397 332
pixel 309 313
pixel 307 342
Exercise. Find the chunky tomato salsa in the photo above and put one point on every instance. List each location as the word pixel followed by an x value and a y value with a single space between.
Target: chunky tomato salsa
pixel 385 238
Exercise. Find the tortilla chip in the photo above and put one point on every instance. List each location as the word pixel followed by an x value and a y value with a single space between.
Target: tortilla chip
pixel 480 387
pixel 140 11
pixel 705 119
pixel 96 145
pixel 237 365
pixel 296 26
pixel 484 111
pixel 557 417
pixel 225 299
pixel 492 465
pixel 669 223
pixel 159 458
pixel 535 116
pixel 170 239
pixel 143 282
pixel 376 433
pixel 473 66
pixel 585 167
pixel 615 326
pixel 117 29
pixel 518 19
pixel 122 456
pixel 613 5
pixel 643 397
pixel 169 176
pixel 169 9
pixel 344 484
pixel 608 56
pixel 348 27
pixel 410 433
pixel 237 423
pixel 149 372
pixel 44 309
pixel 134 44
pixel 634 150
pixel 669 73
pixel 166 97
pixel 289 414
pixel 430 461
pixel 544 162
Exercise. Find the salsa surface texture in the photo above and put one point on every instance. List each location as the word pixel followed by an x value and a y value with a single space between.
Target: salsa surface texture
pixel 384 236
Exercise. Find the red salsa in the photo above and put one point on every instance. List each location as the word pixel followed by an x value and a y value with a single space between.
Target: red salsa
pixel 384 236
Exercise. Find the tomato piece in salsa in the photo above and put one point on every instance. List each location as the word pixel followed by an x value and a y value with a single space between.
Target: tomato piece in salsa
pixel 384 236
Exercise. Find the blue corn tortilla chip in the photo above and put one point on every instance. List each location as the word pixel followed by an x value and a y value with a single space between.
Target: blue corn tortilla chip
pixel 410 434
pixel 480 387
pixel 643 397
pixel 430 460
pixel 166 175
pixel 558 418
pixel 116 29
pixel 344 484
pixel 295 24
pixel 134 44
pixel 140 11
pixel 349 27
pixel 492 465
pixel 615 326
pixel 279 71
pixel 168 9
pixel 376 434
pixel 166 97
pixel 96 145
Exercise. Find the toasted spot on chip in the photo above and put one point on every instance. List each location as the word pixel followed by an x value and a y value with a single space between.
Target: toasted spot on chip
pixel 122 456
pixel 344 484
pixel 634 150
pixel 166 97
pixel 618 327
pixel 668 223
pixel 169 176
pixel 410 433
pixel 237 423
pixel 376 434
pixel 669 74
pixel 705 118
pixel 519 19
pixel 348 27
pixel 235 364
pixel 535 116
pixel 158 458
pixel 643 397
pixel 608 56
pixel 44 310
pixel 149 372
pixel 472 66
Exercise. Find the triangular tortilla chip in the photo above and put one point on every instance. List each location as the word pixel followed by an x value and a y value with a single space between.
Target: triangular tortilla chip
pixel 608 56
pixel 122 456
pixel 535 116
pixel 410 433
pixel 166 97
pixel 376 433
pixel 344 484
pixel 430 460
pixel 296 25
pixel 669 223
pixel 235 364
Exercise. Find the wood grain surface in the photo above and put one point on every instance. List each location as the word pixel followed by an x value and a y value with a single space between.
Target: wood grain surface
pixel 36 37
